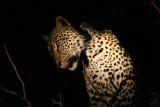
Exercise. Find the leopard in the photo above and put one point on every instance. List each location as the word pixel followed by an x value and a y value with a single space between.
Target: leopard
pixel 107 68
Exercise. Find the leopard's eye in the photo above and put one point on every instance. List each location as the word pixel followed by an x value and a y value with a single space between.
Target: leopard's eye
pixel 58 42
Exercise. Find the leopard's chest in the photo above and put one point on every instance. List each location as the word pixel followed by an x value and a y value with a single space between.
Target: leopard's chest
pixel 106 61
pixel 102 54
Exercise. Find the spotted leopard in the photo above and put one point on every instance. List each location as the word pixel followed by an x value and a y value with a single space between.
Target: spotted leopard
pixel 108 71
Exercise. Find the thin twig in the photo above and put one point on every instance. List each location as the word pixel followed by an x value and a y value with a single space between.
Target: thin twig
pixel 58 102
pixel 153 3
pixel 18 75
pixel 28 102
pixel 8 91
pixel 155 6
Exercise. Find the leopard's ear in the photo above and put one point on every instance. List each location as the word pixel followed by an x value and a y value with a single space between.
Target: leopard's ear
pixel 61 21
pixel 46 38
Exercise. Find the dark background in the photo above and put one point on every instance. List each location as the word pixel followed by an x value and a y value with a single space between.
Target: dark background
pixel 136 24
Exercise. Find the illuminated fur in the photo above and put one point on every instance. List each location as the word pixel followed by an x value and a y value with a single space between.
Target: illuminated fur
pixel 109 67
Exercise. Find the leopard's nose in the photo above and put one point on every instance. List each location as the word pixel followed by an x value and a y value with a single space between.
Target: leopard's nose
pixel 65 66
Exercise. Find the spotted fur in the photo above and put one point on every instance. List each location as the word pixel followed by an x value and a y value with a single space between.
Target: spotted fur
pixel 109 70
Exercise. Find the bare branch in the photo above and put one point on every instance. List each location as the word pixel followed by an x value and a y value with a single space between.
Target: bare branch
pixel 155 6
pixel 18 75
pixel 28 102
pixel 20 79
pixel 58 102
pixel 153 3
pixel 8 91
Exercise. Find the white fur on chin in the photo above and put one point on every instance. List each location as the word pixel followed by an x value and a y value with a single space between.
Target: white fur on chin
pixel 74 66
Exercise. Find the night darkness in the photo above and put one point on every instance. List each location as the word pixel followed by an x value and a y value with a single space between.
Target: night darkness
pixel 135 23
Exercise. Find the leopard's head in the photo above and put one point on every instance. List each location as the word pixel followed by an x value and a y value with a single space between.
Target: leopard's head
pixel 65 44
